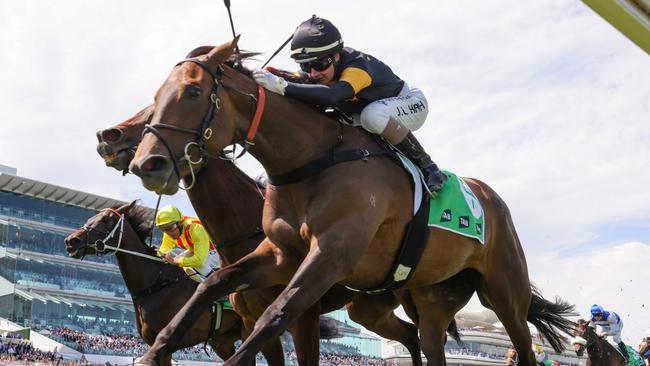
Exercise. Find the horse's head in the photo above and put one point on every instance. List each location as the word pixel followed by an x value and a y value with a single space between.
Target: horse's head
pixel 117 144
pixel 198 111
pixel 105 228
pixel 583 335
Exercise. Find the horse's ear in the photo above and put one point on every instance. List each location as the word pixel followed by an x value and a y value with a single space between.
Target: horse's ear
pixel 201 50
pixel 221 53
pixel 127 207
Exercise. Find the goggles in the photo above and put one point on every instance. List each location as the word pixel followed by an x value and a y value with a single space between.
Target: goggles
pixel 318 65
pixel 168 227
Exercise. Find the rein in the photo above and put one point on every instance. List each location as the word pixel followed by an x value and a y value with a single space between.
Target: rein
pixel 204 134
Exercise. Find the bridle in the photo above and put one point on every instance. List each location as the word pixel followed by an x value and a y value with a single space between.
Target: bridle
pixel 204 134
pixel 101 245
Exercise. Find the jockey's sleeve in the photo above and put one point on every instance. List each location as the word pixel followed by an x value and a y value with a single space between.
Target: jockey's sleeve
pixel 167 244
pixel 320 94
pixel 201 241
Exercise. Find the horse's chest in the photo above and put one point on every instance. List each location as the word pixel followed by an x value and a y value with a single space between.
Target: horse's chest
pixel 284 233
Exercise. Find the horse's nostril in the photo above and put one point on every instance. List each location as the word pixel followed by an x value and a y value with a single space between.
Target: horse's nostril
pixel 111 135
pixel 69 242
pixel 154 164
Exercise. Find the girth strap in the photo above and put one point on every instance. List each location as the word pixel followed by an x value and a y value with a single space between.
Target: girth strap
pixel 216 318
pixel 410 252
pixel 318 165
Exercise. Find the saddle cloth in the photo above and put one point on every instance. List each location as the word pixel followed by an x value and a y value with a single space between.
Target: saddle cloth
pixel 455 207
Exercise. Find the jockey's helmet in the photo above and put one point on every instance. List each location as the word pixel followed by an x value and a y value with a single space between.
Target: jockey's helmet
pixel 167 215
pixel 538 349
pixel 314 39
pixel 596 309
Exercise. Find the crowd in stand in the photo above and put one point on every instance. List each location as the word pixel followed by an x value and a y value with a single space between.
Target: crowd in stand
pixel 467 352
pixel 14 350
pixel 129 345
pixel 333 359
pixel 46 275
pixel 116 344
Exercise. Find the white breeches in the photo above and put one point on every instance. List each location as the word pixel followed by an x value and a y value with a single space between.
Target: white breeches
pixel 211 263
pixel 409 107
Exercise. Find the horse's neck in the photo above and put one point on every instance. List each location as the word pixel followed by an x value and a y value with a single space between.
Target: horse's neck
pixel 229 205
pixel 138 273
pixel 291 135
pixel 604 354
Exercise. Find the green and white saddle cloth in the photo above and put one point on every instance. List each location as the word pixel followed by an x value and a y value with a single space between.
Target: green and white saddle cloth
pixel 457 209
pixel 634 359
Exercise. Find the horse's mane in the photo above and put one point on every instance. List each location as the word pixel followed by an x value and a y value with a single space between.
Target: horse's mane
pixel 140 220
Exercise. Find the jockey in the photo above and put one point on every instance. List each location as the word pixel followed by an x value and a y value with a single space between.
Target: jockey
pixel 198 254
pixel 540 355
pixel 611 325
pixel 361 86
pixel 644 347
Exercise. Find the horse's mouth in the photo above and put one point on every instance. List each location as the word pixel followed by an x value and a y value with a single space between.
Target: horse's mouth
pixel 167 187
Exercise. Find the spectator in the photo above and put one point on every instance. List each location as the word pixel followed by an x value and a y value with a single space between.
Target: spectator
pixel 644 348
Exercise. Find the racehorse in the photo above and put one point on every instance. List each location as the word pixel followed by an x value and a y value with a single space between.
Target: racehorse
pixel 158 290
pixel 600 352
pixel 225 218
pixel 341 225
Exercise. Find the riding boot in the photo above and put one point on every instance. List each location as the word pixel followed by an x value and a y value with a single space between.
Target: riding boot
pixel 434 178
pixel 623 349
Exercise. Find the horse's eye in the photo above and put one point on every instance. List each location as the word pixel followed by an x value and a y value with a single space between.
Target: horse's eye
pixel 193 91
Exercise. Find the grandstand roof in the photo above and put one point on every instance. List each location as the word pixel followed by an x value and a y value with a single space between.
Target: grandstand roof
pixel 68 298
pixel 54 193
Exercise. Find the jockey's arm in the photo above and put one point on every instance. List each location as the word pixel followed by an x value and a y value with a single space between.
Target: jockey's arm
pixel 201 241
pixel 320 94
pixel 167 245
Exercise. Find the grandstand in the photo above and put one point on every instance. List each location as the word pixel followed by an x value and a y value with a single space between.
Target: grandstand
pixel 62 307
pixel 484 343
pixel 83 306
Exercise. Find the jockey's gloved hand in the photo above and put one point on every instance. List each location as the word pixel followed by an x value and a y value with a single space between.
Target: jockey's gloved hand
pixel 269 81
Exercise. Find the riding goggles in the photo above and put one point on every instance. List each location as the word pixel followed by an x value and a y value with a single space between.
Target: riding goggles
pixel 168 227
pixel 319 65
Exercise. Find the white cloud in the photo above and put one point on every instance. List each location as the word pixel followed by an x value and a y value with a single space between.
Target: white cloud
pixel 545 101
pixel 615 277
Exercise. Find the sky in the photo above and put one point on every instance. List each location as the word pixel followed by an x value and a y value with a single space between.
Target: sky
pixel 544 101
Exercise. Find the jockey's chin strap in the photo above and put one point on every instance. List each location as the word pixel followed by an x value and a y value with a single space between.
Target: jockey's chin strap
pixel 205 132
pixel 101 245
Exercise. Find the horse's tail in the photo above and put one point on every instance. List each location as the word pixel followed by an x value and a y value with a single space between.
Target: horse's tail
pixel 550 318
pixel 452 329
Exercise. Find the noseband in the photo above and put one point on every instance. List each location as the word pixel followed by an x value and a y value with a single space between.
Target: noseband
pixel 203 134
pixel 101 245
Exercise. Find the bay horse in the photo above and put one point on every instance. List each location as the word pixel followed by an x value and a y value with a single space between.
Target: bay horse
pixel 158 290
pixel 599 351
pixel 342 225
pixel 216 184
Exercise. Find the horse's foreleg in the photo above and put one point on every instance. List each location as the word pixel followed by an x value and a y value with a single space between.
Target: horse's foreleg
pixel 323 266
pixel 306 336
pixel 375 312
pixel 256 270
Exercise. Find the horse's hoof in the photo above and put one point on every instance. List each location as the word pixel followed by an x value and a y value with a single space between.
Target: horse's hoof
pixel 142 361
